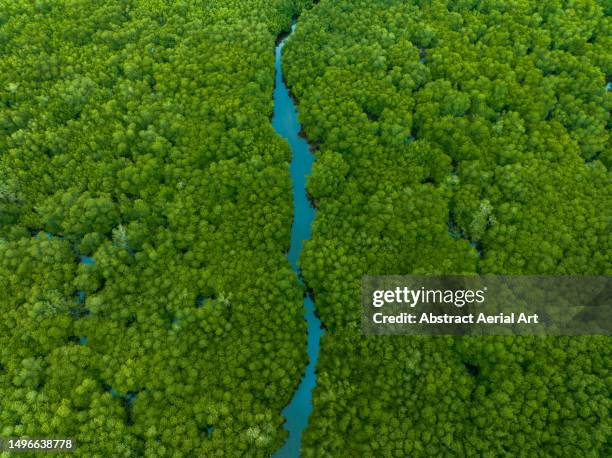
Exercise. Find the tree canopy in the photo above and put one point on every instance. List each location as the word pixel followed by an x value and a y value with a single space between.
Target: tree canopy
pixel 455 137
pixel 148 308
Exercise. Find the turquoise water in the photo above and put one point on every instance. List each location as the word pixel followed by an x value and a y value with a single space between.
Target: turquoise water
pixel 286 124
pixel 86 260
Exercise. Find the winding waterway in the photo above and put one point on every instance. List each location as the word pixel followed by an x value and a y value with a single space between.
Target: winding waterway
pixel 286 124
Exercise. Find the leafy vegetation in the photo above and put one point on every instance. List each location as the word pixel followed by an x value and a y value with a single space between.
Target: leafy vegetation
pixel 455 137
pixel 145 211
pixel 148 308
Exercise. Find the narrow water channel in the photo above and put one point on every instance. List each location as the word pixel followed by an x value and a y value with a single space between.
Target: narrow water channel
pixel 286 124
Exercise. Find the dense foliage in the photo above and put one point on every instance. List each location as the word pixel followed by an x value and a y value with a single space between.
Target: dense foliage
pixel 467 136
pixel 147 304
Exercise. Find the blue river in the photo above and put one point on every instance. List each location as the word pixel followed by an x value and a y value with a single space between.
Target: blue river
pixel 286 124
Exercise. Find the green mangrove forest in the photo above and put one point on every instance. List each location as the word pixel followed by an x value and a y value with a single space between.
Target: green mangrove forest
pixel 455 137
pixel 148 307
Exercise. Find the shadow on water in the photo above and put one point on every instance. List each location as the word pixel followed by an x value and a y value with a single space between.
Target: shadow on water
pixel 286 124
